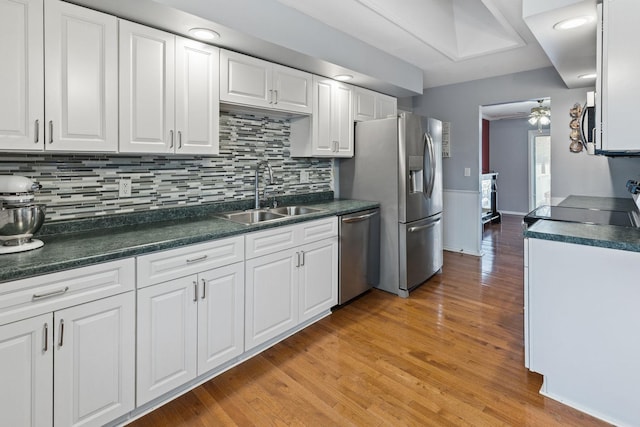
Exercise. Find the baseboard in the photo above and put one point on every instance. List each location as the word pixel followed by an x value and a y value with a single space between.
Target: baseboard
pixel 462 251
pixel 513 213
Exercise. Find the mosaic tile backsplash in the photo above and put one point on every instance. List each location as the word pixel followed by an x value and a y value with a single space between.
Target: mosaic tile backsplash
pixel 86 185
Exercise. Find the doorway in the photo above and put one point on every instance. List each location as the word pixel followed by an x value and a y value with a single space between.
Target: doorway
pixel 539 169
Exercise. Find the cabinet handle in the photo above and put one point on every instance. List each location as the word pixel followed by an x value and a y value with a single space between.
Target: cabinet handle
pixel 171 138
pixel 45 332
pixel 275 96
pixel 335 146
pixel 192 260
pixel 195 291
pixel 204 289
pixel 50 131
pixel 36 137
pixel 302 263
pixel 50 294
pixel 270 96
pixel 179 139
pixel 61 339
pixel 297 259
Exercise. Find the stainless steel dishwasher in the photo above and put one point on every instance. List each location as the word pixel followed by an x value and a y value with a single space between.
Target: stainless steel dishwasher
pixel 359 252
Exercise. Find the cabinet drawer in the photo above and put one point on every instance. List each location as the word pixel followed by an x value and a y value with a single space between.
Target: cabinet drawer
pixel 36 295
pixel 270 241
pixel 313 231
pixel 167 265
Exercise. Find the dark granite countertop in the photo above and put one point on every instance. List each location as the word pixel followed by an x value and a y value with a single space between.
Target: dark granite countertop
pixel 66 250
pixel 600 203
pixel 605 236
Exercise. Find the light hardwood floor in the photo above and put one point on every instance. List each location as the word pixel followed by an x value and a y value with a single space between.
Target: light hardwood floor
pixel 450 355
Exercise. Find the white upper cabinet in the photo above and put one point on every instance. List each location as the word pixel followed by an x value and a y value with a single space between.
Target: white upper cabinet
pixel 332 128
pixel 197 97
pixel 147 58
pixel 250 81
pixel 369 105
pixel 21 75
pixel 168 93
pixel 617 78
pixel 81 98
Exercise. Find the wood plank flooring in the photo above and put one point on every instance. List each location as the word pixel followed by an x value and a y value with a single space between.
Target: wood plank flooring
pixel 450 355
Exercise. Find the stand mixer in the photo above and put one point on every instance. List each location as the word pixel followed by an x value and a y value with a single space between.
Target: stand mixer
pixel 20 218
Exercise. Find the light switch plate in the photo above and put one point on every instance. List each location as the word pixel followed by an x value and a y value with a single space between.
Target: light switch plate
pixel 304 177
pixel 467 171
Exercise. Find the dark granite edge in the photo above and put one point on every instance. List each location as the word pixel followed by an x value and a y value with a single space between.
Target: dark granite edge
pixel 168 214
pixel 601 243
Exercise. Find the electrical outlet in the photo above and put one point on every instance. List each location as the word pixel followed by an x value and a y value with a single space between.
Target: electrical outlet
pixel 304 177
pixel 124 187
pixel 467 171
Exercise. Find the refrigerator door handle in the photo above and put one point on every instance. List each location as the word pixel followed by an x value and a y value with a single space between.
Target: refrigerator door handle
pixel 422 227
pixel 424 166
pixel 429 186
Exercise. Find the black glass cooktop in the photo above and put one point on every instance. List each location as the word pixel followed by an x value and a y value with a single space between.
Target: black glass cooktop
pixel 584 216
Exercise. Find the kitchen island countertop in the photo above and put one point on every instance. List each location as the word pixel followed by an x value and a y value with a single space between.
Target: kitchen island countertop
pixel 72 250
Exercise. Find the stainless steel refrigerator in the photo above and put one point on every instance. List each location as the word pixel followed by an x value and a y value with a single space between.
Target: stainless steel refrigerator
pixel 398 162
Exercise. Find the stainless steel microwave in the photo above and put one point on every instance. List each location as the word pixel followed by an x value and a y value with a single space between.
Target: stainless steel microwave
pixel 588 124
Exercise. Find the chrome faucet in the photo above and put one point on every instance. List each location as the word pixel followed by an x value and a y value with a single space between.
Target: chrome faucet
pixel 257 192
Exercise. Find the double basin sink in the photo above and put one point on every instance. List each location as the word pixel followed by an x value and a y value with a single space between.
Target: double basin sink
pixel 259 216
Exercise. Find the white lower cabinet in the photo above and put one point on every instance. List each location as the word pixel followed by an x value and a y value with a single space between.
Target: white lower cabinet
pixel 94 366
pixel 294 283
pixel 318 277
pixel 272 296
pixel 186 327
pixel 88 349
pixel 26 389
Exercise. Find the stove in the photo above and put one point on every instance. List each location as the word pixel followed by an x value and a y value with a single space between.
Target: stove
pixel 580 215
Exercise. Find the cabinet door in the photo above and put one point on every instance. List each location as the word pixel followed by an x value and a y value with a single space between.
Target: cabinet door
pixel 147 80
pixel 94 366
pixel 291 89
pixel 386 106
pixel 318 277
pixel 323 140
pixel 220 316
pixel 197 97
pixel 21 75
pixel 364 104
pixel 167 334
pixel 81 60
pixel 26 369
pixel 245 80
pixel 342 120
pixel 271 306
pixel 620 86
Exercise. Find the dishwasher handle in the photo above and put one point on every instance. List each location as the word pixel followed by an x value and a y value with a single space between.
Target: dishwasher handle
pixel 359 218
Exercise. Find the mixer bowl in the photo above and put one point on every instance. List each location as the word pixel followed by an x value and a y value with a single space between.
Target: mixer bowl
pixel 18 224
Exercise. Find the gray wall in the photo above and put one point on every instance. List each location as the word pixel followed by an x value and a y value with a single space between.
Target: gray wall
pixel 509 157
pixel 578 174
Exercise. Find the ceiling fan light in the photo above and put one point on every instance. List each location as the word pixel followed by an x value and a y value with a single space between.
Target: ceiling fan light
pixel 533 121
pixel 544 120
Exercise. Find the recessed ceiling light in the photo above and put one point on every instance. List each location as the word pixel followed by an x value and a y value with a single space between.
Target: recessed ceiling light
pixel 343 77
pixel 204 34
pixel 588 76
pixel 571 23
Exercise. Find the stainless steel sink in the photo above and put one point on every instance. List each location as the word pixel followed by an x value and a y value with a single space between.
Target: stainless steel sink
pixel 267 215
pixel 252 217
pixel 295 210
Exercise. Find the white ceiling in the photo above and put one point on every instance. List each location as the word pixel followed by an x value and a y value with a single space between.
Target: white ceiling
pixel 450 40
pixel 397 47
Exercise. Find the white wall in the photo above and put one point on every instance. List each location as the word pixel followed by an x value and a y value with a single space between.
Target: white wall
pixel 577 174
